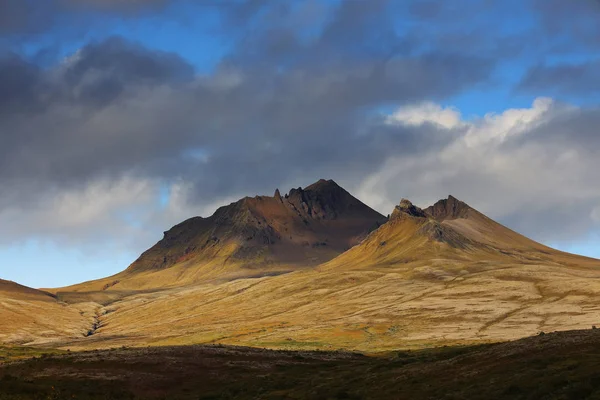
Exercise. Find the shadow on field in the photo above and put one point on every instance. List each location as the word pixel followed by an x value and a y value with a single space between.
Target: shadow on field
pixel 563 365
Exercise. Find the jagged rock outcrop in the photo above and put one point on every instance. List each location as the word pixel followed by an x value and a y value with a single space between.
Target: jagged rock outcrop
pixel 407 208
pixel 450 208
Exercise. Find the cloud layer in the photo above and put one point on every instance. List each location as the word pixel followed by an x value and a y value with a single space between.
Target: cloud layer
pixel 118 141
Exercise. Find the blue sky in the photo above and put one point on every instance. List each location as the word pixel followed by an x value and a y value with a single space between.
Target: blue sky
pixel 172 109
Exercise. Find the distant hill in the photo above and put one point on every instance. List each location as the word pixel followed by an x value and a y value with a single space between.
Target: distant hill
pixel 29 316
pixel 16 291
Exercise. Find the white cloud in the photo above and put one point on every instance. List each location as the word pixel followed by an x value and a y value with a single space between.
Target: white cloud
pixel 521 166
pixel 499 127
pixel 596 214
pixel 426 112
pixel 103 210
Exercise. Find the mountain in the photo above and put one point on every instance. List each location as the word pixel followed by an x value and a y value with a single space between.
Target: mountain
pixel 445 274
pixel 449 229
pixel 263 235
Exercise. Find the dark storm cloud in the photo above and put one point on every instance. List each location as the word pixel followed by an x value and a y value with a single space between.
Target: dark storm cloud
pixel 266 115
pixel 67 122
pixel 100 72
pixel 20 85
pixel 97 74
pixel 35 16
pixel 568 37
pixel 22 16
pixel 564 80
pixel 563 21
pixel 285 106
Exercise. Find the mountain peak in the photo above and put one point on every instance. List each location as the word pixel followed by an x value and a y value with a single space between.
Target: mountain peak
pixel 407 208
pixel 324 184
pixel 450 208
pixel 326 200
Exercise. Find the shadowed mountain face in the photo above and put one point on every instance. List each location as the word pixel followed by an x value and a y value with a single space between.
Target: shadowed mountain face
pixel 304 227
pixel 256 236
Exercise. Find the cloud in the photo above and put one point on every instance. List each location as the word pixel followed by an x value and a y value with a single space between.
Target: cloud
pixel 291 110
pixel 529 168
pixel 582 80
pixel 427 112
pixel 26 17
pixel 82 215
pixel 562 21
pixel 116 106
pixel 109 129
pixel 563 55
pixel 596 214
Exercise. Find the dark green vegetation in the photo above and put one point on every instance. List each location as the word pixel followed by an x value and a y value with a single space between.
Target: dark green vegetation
pixel 563 365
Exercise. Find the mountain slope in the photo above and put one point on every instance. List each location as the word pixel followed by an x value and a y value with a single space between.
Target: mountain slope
pixel 13 289
pixel 471 223
pixel 256 236
pixel 449 230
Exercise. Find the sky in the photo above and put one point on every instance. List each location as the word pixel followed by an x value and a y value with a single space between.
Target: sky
pixel 121 118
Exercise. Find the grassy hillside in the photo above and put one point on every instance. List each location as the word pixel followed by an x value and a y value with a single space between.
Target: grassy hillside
pixel 29 316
